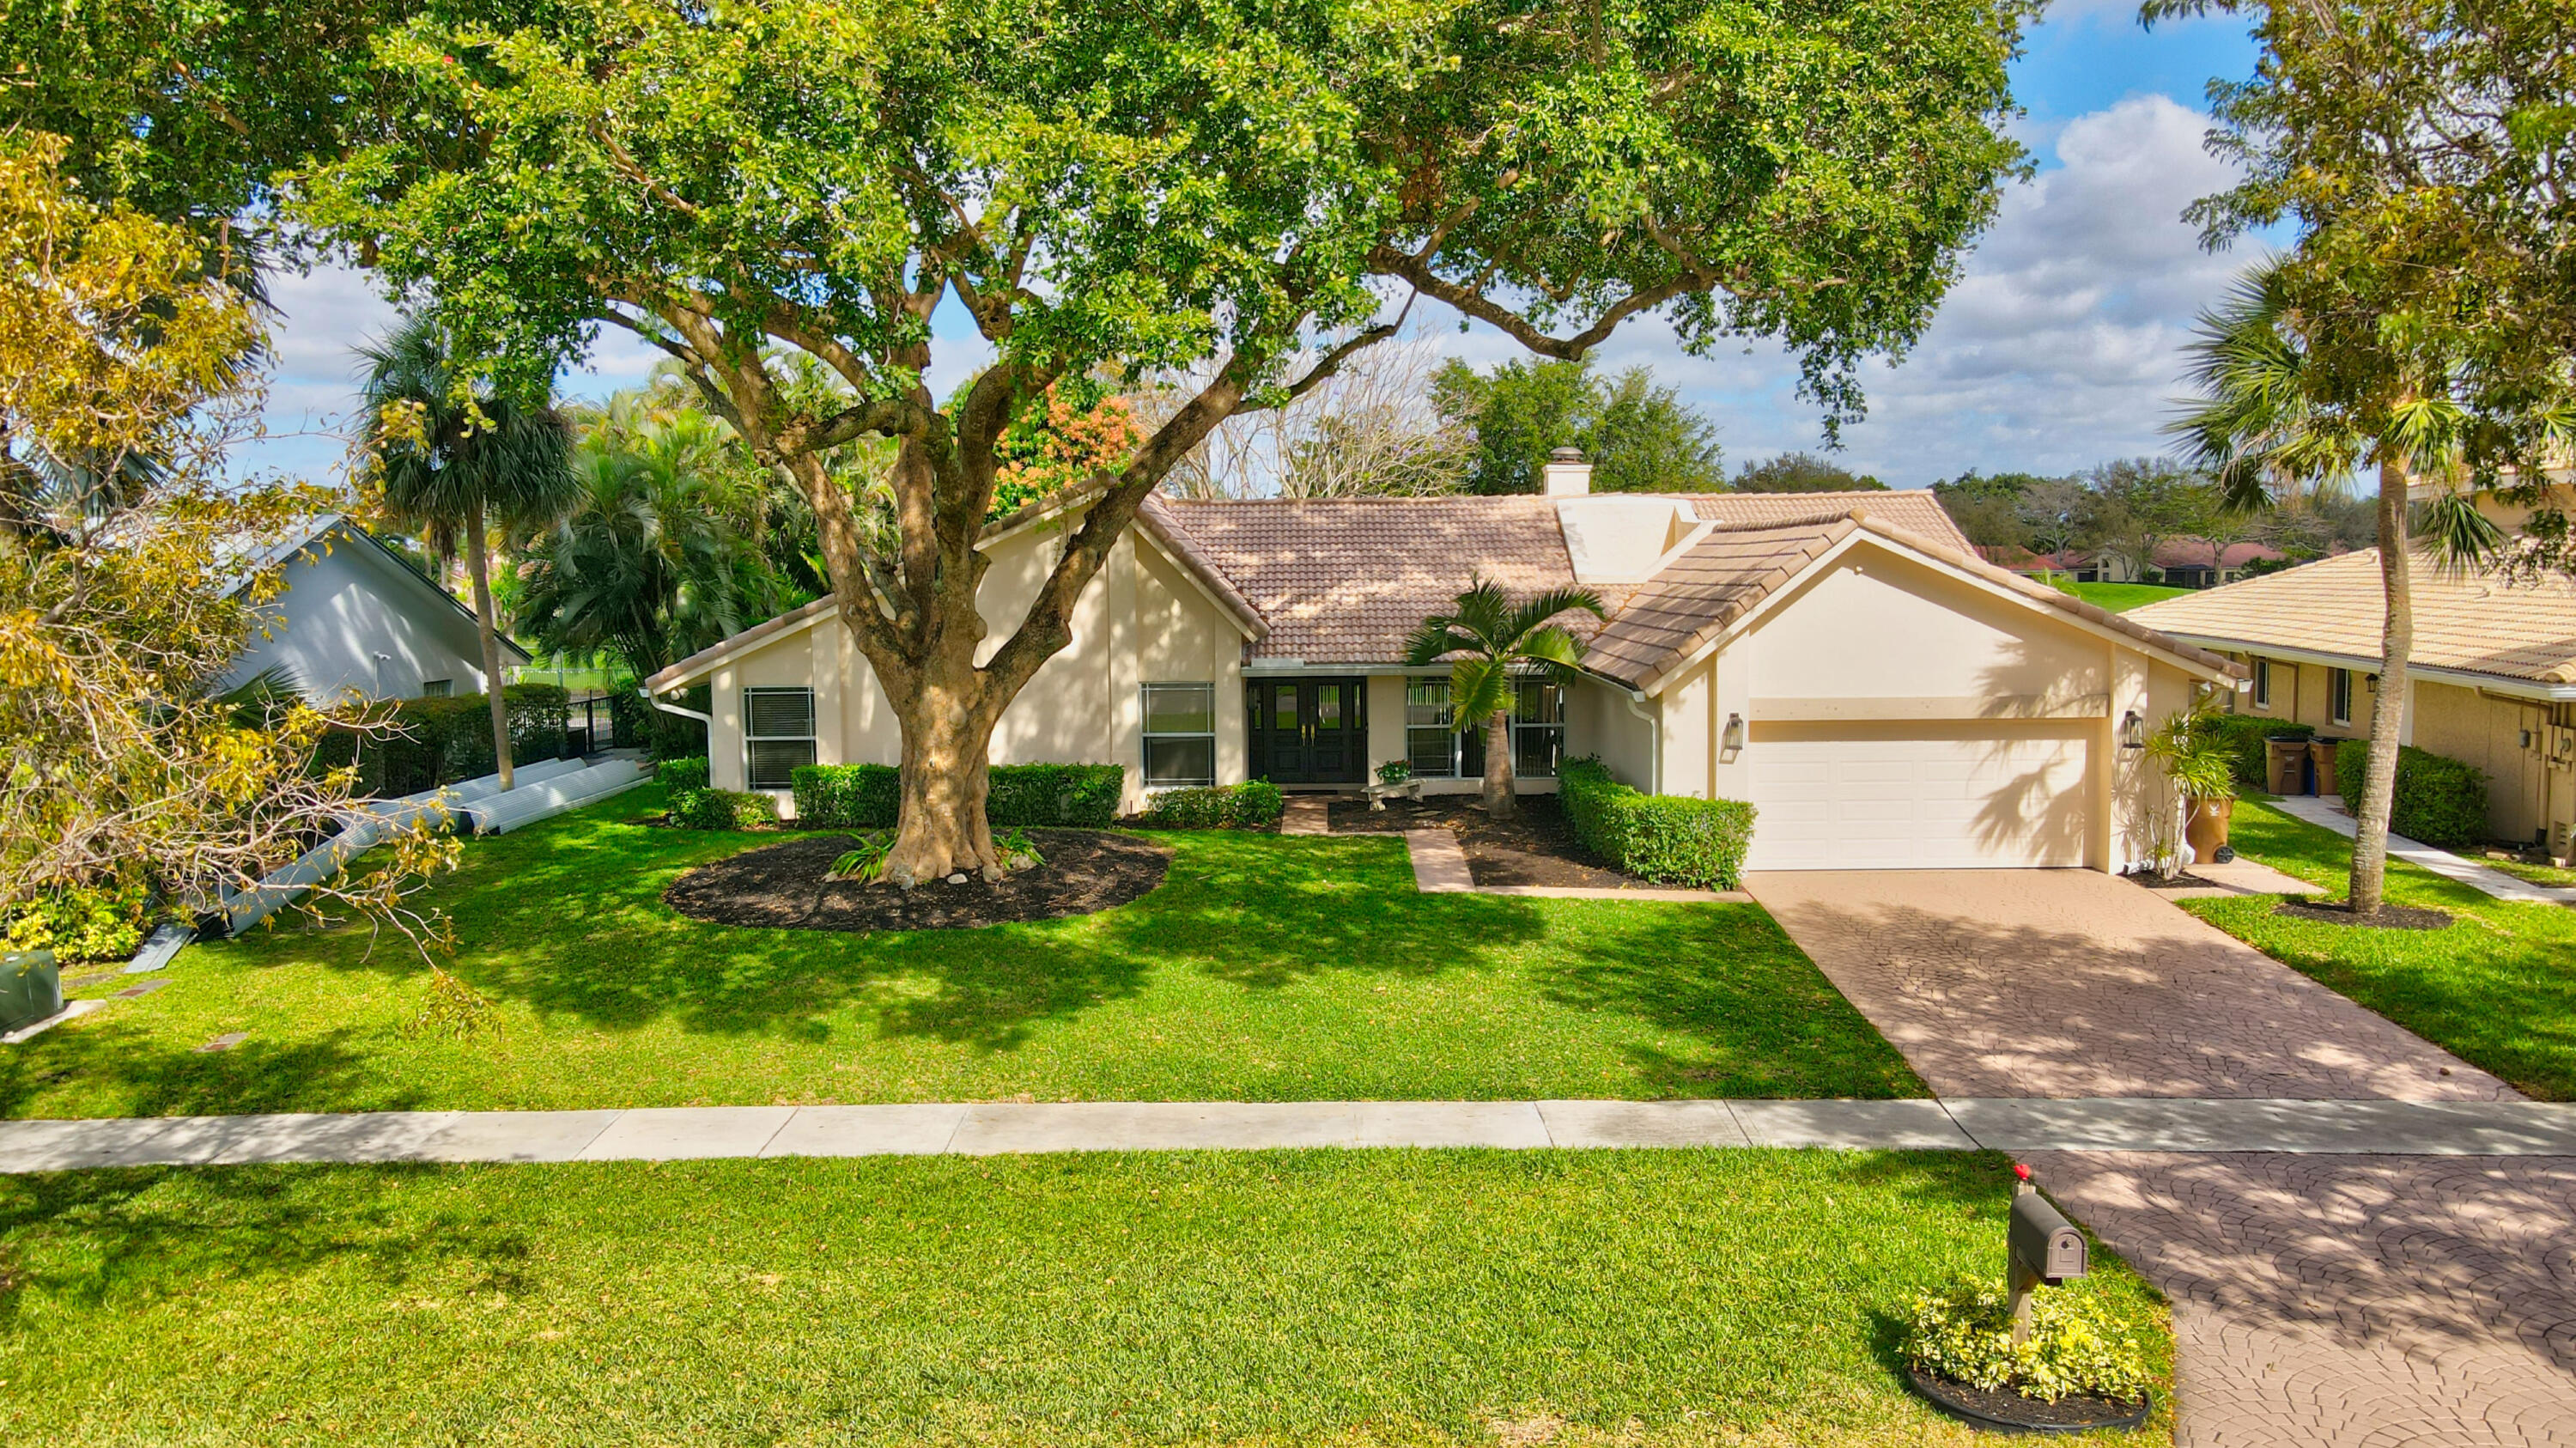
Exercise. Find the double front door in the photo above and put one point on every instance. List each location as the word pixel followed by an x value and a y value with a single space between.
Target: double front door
pixel 1309 731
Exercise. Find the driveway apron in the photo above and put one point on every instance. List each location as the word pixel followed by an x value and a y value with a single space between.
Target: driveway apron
pixel 2349 1300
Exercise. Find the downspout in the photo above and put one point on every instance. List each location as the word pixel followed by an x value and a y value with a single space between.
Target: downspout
pixel 706 719
pixel 1654 733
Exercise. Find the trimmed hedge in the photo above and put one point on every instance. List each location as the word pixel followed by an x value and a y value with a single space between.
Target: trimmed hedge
pixel 1035 796
pixel 721 809
pixel 2439 800
pixel 440 741
pixel 2244 736
pixel 1249 805
pixel 676 775
pixel 1694 842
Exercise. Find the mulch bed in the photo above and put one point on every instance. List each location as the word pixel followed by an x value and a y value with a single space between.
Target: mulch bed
pixel 785 887
pixel 1537 847
pixel 2184 881
pixel 2008 1410
pixel 2390 917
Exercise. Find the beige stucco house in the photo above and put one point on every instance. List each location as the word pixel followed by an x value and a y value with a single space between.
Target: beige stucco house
pixel 2492 676
pixel 1844 661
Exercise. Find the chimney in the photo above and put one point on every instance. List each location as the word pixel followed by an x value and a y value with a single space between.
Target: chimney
pixel 1565 474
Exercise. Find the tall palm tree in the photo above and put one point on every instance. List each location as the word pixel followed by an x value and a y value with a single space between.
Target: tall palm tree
pixel 465 466
pixel 660 555
pixel 1493 644
pixel 2265 427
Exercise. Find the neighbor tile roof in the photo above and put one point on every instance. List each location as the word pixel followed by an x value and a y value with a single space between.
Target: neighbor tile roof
pixel 1347 580
pixel 2475 623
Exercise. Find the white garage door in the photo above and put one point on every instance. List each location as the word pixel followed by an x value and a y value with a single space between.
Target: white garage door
pixel 1870 800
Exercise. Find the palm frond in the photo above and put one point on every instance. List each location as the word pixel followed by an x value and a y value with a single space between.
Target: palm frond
pixel 1532 616
pixel 1480 686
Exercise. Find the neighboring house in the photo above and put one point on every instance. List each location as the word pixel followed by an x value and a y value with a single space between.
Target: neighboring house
pixel 2493 673
pixel 2181 562
pixel 357 618
pixel 1843 660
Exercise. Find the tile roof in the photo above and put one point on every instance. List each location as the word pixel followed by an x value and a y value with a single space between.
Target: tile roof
pixel 1914 511
pixel 2474 623
pixel 1347 580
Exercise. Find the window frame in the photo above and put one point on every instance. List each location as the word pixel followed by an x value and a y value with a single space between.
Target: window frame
pixel 1536 728
pixel 2339 697
pixel 1446 724
pixel 1148 735
pixel 2263 684
pixel 438 688
pixel 811 738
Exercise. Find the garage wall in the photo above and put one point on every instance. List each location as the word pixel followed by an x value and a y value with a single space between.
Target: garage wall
pixel 1880 627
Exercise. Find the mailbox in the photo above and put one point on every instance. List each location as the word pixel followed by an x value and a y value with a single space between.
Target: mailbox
pixel 2044 1244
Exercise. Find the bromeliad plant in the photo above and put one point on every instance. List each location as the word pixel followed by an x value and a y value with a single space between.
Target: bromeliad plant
pixel 1017 852
pixel 866 864
pixel 1495 644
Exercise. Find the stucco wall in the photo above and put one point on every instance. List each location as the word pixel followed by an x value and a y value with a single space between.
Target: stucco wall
pixel 344 606
pixel 2524 795
pixel 1140 621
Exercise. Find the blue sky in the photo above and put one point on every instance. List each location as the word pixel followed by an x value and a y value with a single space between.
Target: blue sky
pixel 2057 349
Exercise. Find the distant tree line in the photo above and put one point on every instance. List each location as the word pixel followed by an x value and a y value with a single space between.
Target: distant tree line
pixel 2122 512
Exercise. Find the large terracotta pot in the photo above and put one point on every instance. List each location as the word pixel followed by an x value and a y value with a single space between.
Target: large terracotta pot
pixel 2206 830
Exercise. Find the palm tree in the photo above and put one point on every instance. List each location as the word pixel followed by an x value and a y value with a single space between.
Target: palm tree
pixel 1494 644
pixel 453 466
pixel 2265 427
pixel 660 555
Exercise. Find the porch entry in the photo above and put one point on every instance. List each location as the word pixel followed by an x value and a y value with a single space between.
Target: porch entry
pixel 1309 731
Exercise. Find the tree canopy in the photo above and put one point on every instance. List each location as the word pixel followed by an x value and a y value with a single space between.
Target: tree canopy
pixel 1798 472
pixel 1641 438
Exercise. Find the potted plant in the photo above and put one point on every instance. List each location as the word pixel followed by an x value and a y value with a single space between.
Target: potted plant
pixel 1395 771
pixel 2197 769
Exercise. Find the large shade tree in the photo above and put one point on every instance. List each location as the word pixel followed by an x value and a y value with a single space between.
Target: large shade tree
pixel 453 461
pixel 1148 188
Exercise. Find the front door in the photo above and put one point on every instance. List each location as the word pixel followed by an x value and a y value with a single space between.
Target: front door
pixel 1309 731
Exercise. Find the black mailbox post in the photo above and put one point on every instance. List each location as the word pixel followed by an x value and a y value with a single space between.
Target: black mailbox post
pixel 2044 1246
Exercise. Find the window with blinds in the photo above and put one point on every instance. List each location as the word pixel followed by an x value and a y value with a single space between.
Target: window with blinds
pixel 777 735
pixel 1180 735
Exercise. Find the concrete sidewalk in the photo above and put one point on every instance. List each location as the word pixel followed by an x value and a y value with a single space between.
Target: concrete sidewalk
pixel 2385 1128
pixel 2327 811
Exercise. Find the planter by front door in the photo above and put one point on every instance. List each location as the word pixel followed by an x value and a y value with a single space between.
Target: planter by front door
pixel 1309 731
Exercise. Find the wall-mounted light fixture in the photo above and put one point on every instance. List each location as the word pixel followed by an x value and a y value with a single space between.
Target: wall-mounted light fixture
pixel 1733 738
pixel 2133 730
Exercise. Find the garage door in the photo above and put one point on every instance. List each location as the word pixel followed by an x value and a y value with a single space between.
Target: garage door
pixel 1862 799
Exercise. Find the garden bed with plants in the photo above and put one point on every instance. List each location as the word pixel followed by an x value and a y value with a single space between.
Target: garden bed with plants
pixel 1537 847
pixel 805 884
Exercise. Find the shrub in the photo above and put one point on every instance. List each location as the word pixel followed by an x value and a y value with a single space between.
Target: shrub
pixel 721 809
pixel 77 924
pixel 1034 796
pixel 676 775
pixel 867 863
pixel 2077 1343
pixel 1395 771
pixel 440 741
pixel 1694 842
pixel 2243 735
pixel 1249 805
pixel 2439 800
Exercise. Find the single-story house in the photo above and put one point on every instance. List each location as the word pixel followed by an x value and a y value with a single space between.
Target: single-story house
pixel 356 618
pixel 2180 562
pixel 1842 660
pixel 2492 677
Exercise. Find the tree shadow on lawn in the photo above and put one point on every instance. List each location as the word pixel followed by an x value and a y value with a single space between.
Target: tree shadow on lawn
pixel 149 1078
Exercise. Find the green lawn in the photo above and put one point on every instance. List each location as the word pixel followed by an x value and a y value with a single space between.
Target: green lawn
pixel 1312 1298
pixel 1264 968
pixel 2497 988
pixel 2533 874
pixel 2121 597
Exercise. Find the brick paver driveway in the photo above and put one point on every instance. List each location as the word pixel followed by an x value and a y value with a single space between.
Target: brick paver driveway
pixel 2336 1300
pixel 2073 983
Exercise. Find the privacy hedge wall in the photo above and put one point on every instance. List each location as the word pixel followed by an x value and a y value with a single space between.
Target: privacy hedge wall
pixel 1044 796
pixel 2439 800
pixel 1695 842
pixel 440 741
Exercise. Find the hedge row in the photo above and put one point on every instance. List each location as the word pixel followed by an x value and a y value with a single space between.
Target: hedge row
pixel 1041 796
pixel 2244 736
pixel 432 742
pixel 1694 842
pixel 676 775
pixel 721 809
pixel 1249 805
pixel 2439 800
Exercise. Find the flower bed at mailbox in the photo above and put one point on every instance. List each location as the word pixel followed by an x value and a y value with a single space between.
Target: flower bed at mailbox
pixel 1694 842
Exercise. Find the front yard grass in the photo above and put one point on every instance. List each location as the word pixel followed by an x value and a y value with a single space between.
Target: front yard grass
pixel 1264 968
pixel 1315 1298
pixel 2497 988
pixel 2121 597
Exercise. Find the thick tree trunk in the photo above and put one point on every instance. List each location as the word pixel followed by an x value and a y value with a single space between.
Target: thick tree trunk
pixel 2388 709
pixel 479 563
pixel 1501 800
pixel 941 829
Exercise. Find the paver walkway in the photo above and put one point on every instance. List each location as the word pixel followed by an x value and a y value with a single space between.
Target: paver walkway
pixel 2328 812
pixel 2319 1299
pixel 2074 983
pixel 675 1133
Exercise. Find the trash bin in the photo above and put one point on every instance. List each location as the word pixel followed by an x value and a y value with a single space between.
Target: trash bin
pixel 2321 755
pixel 2287 754
pixel 30 987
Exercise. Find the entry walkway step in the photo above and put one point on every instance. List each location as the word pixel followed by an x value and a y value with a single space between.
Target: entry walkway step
pixel 2431 1128
pixel 2328 811
pixel 1306 814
